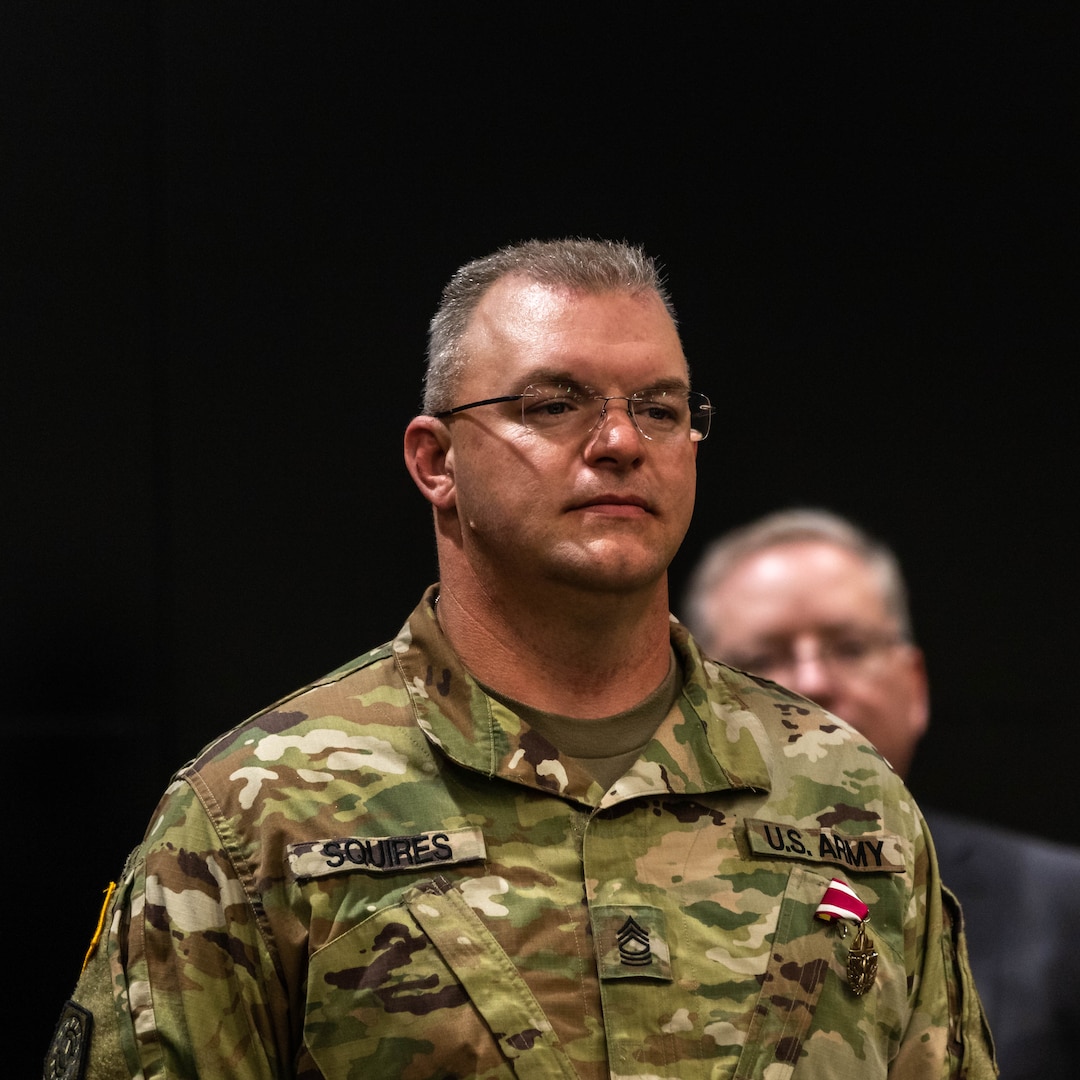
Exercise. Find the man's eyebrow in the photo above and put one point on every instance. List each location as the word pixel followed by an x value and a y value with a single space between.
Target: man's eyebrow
pixel 831 629
pixel 672 383
pixel 851 626
pixel 551 375
pixel 564 378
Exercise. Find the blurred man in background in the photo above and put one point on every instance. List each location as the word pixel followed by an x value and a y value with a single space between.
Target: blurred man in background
pixel 809 600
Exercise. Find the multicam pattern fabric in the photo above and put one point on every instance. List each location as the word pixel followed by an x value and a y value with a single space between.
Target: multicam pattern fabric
pixel 388 874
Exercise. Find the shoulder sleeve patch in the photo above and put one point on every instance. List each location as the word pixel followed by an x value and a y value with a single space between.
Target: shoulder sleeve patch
pixel 868 853
pixel 386 854
pixel 67 1053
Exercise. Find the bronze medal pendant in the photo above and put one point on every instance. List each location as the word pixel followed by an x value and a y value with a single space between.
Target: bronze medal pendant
pixel 841 902
pixel 862 962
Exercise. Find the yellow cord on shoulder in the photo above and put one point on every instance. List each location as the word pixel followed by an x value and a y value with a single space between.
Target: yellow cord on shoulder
pixel 100 924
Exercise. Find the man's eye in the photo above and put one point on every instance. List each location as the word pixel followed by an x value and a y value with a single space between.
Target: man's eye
pixel 656 410
pixel 849 649
pixel 551 406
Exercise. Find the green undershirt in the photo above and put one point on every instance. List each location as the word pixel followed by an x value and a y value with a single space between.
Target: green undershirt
pixel 605 747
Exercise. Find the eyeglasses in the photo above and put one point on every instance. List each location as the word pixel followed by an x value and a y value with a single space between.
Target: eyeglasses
pixel 846 655
pixel 662 414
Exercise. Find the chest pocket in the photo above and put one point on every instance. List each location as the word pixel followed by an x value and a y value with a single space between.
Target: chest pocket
pixel 806 1013
pixel 424 988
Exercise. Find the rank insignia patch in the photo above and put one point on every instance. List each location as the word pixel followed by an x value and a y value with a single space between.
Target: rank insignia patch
pixel 633 942
pixel 66 1057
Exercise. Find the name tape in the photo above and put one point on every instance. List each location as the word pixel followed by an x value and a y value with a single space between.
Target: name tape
pixel 385 854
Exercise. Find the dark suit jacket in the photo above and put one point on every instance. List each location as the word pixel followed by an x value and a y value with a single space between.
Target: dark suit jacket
pixel 1020 897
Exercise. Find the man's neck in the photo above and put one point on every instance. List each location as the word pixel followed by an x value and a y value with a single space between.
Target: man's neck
pixel 585 656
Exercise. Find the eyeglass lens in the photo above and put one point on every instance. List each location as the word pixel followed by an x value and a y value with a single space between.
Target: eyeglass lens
pixel 659 414
pixel 847 654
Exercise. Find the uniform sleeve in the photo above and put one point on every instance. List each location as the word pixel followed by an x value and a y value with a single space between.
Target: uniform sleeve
pixel 972 1042
pixel 184 982
pixel 948 1035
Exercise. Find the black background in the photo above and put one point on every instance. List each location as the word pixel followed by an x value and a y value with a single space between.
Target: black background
pixel 225 227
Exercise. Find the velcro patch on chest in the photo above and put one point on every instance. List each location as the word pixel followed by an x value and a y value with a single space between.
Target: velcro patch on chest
pixel 869 853
pixel 386 854
pixel 633 942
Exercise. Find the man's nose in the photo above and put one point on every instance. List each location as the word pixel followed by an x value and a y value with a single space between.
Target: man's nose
pixel 616 410
pixel 616 428
pixel 813 677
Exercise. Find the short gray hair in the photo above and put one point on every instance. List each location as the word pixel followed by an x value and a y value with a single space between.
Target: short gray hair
pixel 788 526
pixel 590 266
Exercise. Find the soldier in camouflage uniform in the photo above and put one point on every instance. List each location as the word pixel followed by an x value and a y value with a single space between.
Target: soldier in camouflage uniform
pixel 537 834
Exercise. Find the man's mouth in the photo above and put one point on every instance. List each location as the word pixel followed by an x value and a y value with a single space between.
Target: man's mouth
pixel 616 505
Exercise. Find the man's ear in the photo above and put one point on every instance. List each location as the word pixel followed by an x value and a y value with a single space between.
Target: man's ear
pixel 429 457
pixel 919 698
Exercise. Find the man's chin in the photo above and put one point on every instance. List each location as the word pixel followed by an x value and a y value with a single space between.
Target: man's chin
pixel 614 572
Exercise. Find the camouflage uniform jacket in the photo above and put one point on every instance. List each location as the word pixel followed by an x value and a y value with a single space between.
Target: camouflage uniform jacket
pixel 388 874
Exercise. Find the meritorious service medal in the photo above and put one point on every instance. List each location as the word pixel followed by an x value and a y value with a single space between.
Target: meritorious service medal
pixel 841 902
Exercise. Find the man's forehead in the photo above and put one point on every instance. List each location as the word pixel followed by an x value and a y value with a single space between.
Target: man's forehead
pixel 804 561
pixel 588 336
pixel 799 586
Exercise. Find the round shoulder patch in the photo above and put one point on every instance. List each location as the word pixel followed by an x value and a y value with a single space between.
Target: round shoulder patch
pixel 66 1058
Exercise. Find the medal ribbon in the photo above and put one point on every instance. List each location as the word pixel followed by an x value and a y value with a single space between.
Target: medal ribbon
pixel 841 902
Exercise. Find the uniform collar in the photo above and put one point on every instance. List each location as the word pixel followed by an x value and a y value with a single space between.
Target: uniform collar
pixel 711 741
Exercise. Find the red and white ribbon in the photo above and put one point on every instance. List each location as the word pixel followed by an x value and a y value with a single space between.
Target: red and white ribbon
pixel 841 902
